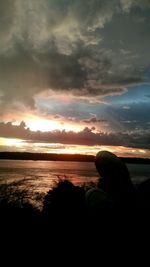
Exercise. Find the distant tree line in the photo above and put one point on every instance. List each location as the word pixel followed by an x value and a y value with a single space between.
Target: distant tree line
pixel 45 156
pixel 63 157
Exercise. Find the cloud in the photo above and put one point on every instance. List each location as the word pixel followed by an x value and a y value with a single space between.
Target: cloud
pixel 127 5
pixel 90 49
pixel 94 119
pixel 126 107
pixel 136 139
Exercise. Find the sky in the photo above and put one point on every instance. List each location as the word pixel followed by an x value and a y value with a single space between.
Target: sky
pixel 75 76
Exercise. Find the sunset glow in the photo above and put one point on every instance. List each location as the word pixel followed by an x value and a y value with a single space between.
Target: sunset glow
pixel 45 125
pixel 20 145
pixel 75 76
pixel 11 142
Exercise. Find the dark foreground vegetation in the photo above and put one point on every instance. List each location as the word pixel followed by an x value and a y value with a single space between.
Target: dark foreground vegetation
pixel 68 227
pixel 63 202
pixel 65 205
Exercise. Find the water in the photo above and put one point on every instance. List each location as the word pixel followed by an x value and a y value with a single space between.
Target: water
pixel 37 177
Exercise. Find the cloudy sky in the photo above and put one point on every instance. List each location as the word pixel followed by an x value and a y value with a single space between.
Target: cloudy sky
pixel 75 76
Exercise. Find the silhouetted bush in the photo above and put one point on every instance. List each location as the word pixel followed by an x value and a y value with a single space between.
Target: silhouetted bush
pixel 65 200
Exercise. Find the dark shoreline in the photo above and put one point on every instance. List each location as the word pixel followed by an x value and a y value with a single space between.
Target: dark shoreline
pixel 63 157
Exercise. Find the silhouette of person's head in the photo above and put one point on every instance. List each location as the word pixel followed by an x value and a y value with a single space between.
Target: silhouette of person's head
pixel 114 176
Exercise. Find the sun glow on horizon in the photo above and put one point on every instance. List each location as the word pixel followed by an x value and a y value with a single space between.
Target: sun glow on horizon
pixel 11 141
pixel 18 145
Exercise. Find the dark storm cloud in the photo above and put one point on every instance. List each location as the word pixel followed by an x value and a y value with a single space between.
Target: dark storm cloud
pixel 7 12
pixel 90 48
pixel 137 139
